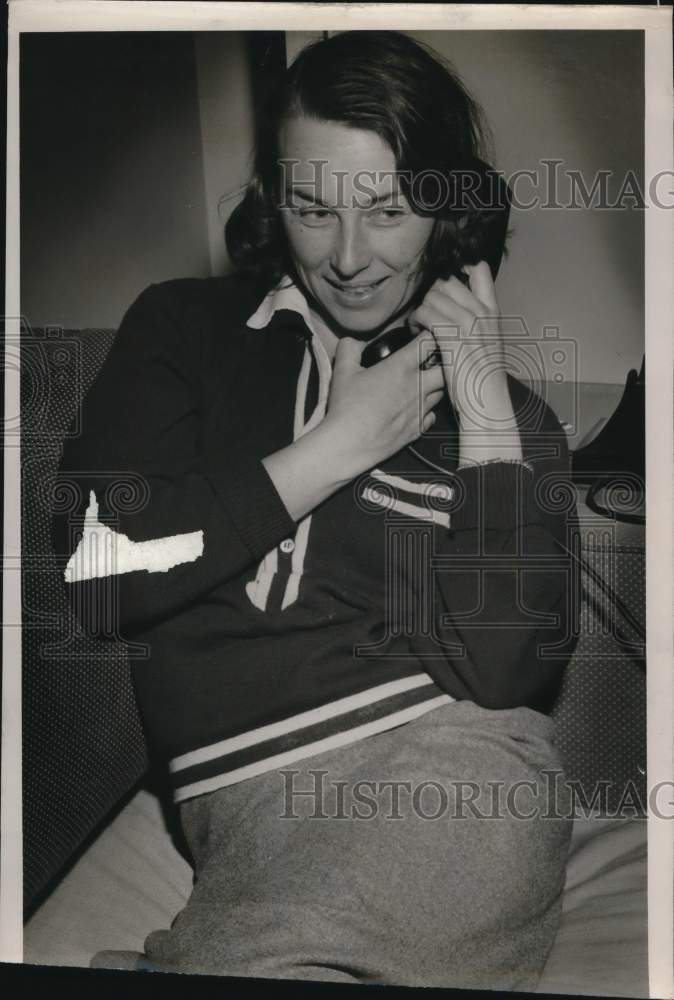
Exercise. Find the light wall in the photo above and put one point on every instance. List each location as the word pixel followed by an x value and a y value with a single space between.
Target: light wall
pixel 576 97
pixel 226 116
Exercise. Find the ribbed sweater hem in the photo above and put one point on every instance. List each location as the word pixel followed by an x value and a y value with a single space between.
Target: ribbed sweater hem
pixel 330 726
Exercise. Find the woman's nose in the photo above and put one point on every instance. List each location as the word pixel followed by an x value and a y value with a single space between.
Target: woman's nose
pixel 351 251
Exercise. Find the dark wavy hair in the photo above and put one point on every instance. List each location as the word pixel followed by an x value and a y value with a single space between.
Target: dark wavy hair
pixel 386 83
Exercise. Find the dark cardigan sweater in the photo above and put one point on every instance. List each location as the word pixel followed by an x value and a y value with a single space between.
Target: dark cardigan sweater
pixel 255 641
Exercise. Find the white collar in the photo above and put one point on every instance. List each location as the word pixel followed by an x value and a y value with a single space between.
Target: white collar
pixel 287 295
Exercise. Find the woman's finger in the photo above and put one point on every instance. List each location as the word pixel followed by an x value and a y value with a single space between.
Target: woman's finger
pixel 428 420
pixel 482 284
pixel 418 350
pixel 465 297
pixel 432 400
pixel 432 381
pixel 347 356
pixel 432 396
pixel 452 312
pixel 437 324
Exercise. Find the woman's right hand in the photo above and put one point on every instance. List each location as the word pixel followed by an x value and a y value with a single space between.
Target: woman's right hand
pixel 374 412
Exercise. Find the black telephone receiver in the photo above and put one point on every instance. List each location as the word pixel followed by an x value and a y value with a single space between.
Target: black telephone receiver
pixel 388 343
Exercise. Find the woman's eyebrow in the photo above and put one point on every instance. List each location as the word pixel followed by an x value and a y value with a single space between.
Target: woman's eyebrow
pixel 305 195
pixel 393 196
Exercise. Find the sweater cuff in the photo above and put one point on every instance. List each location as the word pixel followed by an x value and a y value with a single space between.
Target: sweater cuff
pixel 495 496
pixel 253 504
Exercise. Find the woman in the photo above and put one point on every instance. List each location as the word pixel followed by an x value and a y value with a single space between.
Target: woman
pixel 344 584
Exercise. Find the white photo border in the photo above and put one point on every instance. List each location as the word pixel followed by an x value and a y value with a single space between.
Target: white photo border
pixel 655 22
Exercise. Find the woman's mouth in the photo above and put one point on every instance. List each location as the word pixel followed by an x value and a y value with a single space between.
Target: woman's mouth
pixel 356 294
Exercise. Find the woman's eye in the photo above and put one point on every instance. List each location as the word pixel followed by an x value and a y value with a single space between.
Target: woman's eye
pixel 388 216
pixel 315 216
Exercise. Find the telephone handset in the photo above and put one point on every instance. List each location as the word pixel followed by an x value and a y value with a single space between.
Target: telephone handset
pixel 392 340
pixel 388 343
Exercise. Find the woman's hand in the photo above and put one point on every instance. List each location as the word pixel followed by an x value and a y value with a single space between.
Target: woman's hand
pixel 374 412
pixel 465 324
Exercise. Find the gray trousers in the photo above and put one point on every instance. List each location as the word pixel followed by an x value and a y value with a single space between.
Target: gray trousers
pixel 433 854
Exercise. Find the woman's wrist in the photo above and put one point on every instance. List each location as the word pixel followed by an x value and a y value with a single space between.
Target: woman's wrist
pixel 345 457
pixel 487 409
pixel 488 428
pixel 312 468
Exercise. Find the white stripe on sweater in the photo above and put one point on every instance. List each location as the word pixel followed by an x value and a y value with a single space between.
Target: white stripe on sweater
pixel 436 491
pixel 315 715
pixel 401 507
pixel 258 589
pixel 302 535
pixel 311 749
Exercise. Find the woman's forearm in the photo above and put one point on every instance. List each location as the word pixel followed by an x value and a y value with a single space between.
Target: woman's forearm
pixel 308 471
pixel 492 437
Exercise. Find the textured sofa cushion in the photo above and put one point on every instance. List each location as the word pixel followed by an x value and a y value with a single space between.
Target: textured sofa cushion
pixel 83 746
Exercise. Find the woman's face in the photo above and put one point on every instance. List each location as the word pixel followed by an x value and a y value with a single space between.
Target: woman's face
pixel 355 242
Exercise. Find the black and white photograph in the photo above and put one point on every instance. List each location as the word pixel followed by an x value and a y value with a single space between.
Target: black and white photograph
pixel 331 369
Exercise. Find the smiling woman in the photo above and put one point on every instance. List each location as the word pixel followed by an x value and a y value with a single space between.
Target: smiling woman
pixel 360 262
pixel 380 595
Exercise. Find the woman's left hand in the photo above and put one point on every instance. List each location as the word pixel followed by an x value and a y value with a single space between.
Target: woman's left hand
pixel 465 324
